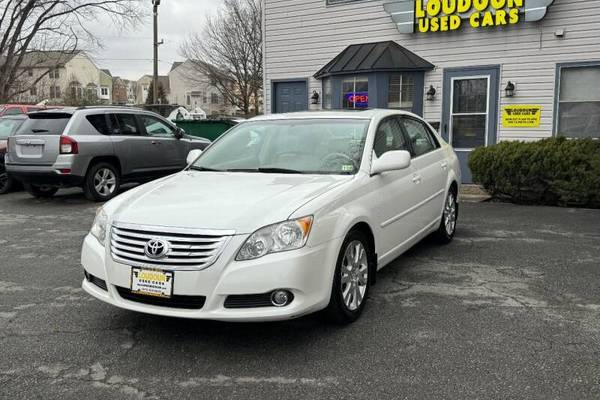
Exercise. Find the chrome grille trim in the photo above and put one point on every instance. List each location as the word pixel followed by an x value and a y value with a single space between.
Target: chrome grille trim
pixel 189 249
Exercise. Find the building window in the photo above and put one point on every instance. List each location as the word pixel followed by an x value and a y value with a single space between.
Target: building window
pixel 327 99
pixel 401 92
pixel 55 92
pixel 54 74
pixel 104 91
pixel 579 102
pixel 355 93
pixel 30 72
pixel 214 98
pixel 33 91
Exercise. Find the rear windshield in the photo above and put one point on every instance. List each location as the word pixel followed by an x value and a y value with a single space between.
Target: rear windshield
pixel 44 124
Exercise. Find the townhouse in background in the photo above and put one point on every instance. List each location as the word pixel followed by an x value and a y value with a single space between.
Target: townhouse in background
pixel 192 89
pixel 65 76
pixel 124 92
pixel 143 85
pixel 479 71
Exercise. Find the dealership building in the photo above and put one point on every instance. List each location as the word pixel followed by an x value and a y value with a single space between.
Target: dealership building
pixel 480 71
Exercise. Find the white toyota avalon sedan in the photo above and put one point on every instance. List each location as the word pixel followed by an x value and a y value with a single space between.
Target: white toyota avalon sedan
pixel 282 216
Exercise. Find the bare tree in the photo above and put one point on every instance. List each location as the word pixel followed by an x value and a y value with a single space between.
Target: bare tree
pixel 30 26
pixel 229 53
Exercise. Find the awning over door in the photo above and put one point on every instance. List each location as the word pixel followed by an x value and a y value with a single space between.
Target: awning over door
pixel 374 57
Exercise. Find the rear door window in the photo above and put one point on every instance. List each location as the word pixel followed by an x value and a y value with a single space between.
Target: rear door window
pixel 100 123
pixel 125 124
pixel 44 124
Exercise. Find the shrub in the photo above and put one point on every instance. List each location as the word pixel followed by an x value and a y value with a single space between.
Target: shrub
pixel 554 171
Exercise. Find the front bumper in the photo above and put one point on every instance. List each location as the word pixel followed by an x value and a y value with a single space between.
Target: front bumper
pixel 307 273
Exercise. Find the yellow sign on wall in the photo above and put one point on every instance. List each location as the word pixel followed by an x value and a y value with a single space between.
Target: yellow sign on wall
pixel 521 116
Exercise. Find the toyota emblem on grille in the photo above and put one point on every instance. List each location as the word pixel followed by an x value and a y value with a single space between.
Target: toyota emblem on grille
pixel 156 248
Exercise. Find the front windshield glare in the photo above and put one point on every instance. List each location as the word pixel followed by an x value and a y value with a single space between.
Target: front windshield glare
pixel 308 146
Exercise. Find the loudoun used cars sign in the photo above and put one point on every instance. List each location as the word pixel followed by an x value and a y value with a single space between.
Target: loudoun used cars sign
pixel 447 15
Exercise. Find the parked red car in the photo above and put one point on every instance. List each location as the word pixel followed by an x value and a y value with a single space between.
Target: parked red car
pixel 16 109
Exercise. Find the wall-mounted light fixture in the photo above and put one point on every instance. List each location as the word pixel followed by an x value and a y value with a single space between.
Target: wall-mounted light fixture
pixel 314 99
pixel 431 93
pixel 510 89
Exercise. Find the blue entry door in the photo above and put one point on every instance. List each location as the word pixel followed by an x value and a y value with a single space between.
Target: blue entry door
pixel 290 96
pixel 470 111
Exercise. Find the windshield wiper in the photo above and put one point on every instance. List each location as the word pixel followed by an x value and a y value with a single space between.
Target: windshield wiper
pixel 205 169
pixel 267 170
pixel 273 170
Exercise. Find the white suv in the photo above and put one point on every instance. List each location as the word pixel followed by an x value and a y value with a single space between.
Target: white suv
pixel 282 216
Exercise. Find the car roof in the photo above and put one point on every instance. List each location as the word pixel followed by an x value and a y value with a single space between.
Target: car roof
pixel 341 114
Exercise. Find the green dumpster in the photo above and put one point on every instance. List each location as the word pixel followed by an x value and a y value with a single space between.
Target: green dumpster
pixel 208 128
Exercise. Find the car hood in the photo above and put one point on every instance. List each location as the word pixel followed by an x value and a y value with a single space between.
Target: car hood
pixel 242 202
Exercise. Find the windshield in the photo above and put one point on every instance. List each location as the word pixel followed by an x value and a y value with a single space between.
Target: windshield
pixel 308 146
pixel 8 127
pixel 44 124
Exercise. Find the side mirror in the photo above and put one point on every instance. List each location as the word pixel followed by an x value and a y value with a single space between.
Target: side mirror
pixel 193 156
pixel 179 133
pixel 391 161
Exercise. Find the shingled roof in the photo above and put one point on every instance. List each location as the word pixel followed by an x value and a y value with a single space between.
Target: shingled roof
pixel 374 57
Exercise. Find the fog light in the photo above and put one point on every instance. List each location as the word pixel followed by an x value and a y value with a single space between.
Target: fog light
pixel 281 298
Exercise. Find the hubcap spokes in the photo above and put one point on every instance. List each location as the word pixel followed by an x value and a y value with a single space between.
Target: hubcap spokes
pixel 450 214
pixel 105 182
pixel 355 275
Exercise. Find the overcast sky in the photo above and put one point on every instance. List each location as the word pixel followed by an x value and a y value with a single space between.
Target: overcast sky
pixel 129 54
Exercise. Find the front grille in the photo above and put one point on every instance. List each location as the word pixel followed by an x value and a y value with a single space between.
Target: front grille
pixel 186 302
pixel 95 280
pixel 251 300
pixel 188 248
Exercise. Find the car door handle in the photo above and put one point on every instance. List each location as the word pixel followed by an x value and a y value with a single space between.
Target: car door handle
pixel 156 142
pixel 416 179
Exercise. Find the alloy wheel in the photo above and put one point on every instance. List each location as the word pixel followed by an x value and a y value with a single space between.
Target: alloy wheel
pixel 354 275
pixel 105 182
pixel 450 214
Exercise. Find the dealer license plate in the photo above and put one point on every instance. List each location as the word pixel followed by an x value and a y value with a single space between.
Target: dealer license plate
pixel 152 282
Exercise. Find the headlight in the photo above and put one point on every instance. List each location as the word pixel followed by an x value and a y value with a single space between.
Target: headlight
pixel 284 236
pixel 99 227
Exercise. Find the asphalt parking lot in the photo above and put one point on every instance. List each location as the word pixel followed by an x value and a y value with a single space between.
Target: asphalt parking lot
pixel 509 310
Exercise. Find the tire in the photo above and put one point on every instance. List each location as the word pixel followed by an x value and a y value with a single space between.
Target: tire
pixel 102 182
pixel 349 294
pixel 447 228
pixel 6 182
pixel 43 192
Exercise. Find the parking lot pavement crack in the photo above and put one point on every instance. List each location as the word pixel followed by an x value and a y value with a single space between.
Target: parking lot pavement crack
pixel 513 298
pixel 97 375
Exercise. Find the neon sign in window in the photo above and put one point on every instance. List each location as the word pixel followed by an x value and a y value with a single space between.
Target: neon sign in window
pixel 358 99
pixel 355 93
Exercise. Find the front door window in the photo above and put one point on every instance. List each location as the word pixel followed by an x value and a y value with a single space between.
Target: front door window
pixel 469 112
pixel 355 93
